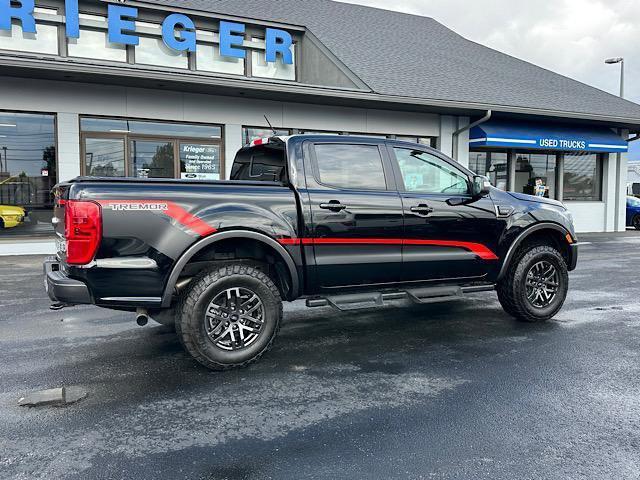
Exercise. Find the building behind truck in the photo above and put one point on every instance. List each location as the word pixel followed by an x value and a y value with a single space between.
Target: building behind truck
pixel 173 90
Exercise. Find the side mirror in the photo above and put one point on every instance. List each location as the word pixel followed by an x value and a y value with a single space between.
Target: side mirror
pixel 481 186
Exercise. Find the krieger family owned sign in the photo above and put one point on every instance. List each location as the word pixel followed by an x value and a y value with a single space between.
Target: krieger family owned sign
pixel 178 30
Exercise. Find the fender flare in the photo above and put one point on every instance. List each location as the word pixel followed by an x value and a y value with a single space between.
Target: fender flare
pixel 216 237
pixel 522 237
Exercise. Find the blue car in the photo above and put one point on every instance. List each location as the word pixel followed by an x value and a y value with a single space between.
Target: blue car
pixel 633 212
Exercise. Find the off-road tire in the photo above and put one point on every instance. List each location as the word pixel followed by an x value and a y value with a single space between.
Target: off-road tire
pixel 190 319
pixel 512 291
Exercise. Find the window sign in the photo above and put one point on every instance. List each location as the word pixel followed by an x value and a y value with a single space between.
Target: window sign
pixel 199 162
pixel 177 30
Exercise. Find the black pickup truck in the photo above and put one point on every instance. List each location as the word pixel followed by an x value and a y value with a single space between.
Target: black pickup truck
pixel 347 222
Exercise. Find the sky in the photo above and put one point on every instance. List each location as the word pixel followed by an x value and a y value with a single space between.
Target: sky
pixel 570 37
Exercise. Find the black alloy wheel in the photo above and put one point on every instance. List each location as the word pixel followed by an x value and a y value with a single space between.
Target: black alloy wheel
pixel 543 282
pixel 234 319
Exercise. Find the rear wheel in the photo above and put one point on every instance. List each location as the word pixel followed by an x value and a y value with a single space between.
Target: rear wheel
pixel 229 316
pixel 536 285
pixel 636 222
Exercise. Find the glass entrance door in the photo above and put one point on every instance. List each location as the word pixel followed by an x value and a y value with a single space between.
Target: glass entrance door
pixel 152 159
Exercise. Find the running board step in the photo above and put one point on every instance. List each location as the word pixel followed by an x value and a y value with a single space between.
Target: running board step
pixel 358 301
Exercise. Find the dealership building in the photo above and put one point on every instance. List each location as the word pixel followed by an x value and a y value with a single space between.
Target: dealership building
pixel 169 89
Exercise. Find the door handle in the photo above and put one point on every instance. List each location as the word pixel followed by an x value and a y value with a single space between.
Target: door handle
pixel 422 209
pixel 333 205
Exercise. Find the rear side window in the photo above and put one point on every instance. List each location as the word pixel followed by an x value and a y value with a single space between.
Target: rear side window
pixel 350 166
pixel 261 163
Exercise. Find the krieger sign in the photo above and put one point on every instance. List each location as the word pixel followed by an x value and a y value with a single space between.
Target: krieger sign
pixel 178 30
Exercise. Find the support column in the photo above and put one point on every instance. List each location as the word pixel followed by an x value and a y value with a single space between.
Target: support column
pixel 610 191
pixel 457 148
pixel 560 177
pixel 461 143
pixel 68 145
pixel 445 140
pixel 232 143
pixel 622 162
pixel 511 171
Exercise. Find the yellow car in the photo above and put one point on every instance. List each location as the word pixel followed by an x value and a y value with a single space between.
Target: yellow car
pixel 11 216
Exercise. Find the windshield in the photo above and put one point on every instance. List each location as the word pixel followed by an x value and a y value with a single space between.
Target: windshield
pixel 632 201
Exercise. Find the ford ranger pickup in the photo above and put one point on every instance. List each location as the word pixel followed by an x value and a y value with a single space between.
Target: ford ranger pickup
pixel 346 222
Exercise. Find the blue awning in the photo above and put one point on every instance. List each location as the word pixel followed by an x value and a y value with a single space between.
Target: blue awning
pixel 541 136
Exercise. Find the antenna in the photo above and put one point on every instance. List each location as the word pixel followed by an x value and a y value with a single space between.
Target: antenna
pixel 270 126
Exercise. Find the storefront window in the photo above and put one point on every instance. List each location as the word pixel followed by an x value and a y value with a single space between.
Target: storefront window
pixel 138 127
pixel 104 157
pixel 152 159
pixel 27 173
pixel 45 41
pixel 249 134
pixel 536 174
pixel 582 177
pixel 429 141
pixel 94 43
pixel 277 70
pixel 153 51
pixel 318 132
pixel 118 148
pixel 492 165
pixel 208 58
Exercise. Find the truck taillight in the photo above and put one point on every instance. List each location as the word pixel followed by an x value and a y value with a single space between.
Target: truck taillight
pixel 83 231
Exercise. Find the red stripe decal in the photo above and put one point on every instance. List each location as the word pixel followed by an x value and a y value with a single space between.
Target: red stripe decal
pixel 480 250
pixel 477 248
pixel 173 210
pixel 289 241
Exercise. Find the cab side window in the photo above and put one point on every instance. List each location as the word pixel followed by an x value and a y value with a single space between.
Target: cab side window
pixel 357 167
pixel 426 173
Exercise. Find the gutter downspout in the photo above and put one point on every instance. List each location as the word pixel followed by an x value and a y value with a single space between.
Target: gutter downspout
pixel 456 134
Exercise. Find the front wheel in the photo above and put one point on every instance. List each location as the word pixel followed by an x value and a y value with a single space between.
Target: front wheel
pixel 229 316
pixel 536 285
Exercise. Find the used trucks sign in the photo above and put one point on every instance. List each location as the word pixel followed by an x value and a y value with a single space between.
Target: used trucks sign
pixel 178 30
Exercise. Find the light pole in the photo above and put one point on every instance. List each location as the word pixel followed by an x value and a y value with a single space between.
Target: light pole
pixel 5 160
pixel 613 61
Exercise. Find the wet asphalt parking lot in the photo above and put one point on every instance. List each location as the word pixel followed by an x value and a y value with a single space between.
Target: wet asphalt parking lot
pixel 451 391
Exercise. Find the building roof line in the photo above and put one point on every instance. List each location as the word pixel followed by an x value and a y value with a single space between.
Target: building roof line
pixel 132 72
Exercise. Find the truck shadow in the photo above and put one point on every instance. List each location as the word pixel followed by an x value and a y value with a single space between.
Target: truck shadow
pixel 137 365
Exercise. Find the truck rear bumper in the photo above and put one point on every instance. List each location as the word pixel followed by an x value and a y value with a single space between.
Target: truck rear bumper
pixel 63 289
